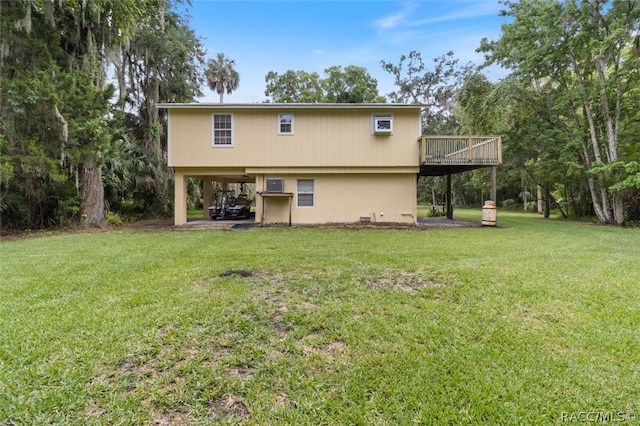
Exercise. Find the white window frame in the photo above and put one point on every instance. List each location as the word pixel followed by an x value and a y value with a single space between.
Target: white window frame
pixel 213 130
pixel 280 116
pixel 376 117
pixel 312 192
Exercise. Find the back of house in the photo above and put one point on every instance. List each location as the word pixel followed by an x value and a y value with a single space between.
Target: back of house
pixel 308 163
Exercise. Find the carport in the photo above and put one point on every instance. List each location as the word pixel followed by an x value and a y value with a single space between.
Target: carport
pixel 209 178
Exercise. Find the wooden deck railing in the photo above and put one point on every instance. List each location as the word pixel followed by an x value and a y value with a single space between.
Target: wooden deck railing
pixel 461 150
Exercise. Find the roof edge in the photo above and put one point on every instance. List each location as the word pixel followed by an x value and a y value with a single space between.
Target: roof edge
pixel 287 105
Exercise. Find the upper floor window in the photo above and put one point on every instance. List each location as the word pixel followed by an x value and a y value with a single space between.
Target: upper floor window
pixel 285 124
pixel 222 130
pixel 382 124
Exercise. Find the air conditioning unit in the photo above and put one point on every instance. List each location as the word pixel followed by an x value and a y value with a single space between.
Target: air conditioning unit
pixel 275 185
pixel 383 125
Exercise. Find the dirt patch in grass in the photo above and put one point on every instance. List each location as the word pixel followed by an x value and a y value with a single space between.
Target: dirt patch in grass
pixel 240 272
pixel 240 373
pixel 172 419
pixel 253 276
pixel 383 280
pixel 277 322
pixel 94 411
pixel 167 372
pixel 229 406
pixel 281 400
pixel 329 350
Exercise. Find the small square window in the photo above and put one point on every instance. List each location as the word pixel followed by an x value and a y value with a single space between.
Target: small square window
pixel 285 124
pixel 382 124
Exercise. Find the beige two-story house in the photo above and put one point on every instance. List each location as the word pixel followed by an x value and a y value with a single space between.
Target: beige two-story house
pixel 310 163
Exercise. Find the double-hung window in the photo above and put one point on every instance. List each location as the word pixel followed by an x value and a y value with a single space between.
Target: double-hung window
pixel 222 130
pixel 305 193
pixel 285 124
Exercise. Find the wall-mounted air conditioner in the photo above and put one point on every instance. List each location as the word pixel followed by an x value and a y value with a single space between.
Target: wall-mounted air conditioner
pixel 382 125
pixel 275 185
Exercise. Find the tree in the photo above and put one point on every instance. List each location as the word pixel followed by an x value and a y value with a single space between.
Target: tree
pixel 527 121
pixel 58 118
pixel 89 34
pixel 162 62
pixel 479 109
pixel 435 88
pixel 351 85
pixel 294 86
pixel 576 50
pixel 65 44
pixel 221 76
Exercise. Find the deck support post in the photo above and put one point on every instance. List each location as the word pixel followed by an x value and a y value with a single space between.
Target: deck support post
pixel 494 183
pixel 449 209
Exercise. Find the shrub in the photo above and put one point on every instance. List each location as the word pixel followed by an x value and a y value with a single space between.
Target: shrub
pixel 114 219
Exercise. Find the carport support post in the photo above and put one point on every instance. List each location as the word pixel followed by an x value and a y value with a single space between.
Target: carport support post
pixel 180 199
pixel 449 209
pixel 206 196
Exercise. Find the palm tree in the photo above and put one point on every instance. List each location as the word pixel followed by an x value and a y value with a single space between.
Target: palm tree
pixel 221 76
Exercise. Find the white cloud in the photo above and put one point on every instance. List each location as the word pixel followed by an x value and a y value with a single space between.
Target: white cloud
pixel 390 22
pixel 478 10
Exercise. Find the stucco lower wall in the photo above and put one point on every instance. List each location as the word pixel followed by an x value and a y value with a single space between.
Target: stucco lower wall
pixel 343 198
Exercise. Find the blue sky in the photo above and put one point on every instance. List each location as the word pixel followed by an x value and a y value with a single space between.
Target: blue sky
pixel 264 35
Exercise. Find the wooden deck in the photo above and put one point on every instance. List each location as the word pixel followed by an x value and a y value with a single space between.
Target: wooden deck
pixel 443 155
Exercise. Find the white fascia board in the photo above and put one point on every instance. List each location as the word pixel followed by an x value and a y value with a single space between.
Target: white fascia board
pixel 292 106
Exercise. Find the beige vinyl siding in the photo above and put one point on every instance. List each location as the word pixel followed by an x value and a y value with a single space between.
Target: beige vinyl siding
pixel 345 198
pixel 322 138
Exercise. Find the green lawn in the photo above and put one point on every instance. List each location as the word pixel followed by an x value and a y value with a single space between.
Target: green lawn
pixel 529 323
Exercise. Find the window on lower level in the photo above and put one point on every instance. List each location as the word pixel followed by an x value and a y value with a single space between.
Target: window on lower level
pixel 222 130
pixel 305 193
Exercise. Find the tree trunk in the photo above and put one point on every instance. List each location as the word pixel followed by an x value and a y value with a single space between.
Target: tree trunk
pixel 92 206
pixel 434 200
pixel 618 208
pixel 119 64
pixel 617 202
pixel 597 208
pixel 540 209
pixel 601 208
pixel 612 137
pixel 546 203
